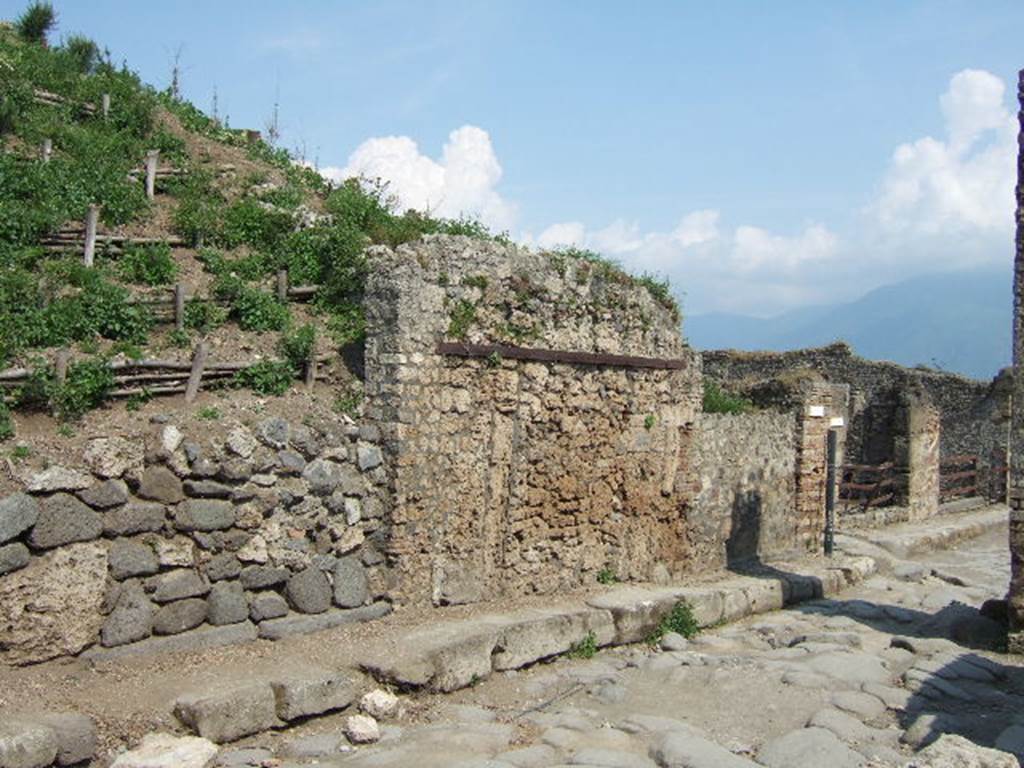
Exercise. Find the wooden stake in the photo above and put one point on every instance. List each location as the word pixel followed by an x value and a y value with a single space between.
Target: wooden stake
pixel 310 370
pixel 91 221
pixel 106 105
pixel 282 285
pixel 60 366
pixel 152 157
pixel 46 150
pixel 195 376
pixel 179 307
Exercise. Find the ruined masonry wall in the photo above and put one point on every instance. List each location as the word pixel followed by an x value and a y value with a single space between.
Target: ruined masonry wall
pixel 265 532
pixel 747 469
pixel 1015 495
pixel 512 477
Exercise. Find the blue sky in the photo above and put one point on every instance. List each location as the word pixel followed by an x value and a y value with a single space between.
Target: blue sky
pixel 746 150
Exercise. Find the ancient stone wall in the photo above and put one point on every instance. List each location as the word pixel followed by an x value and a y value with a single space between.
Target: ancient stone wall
pixel 187 539
pixel 747 469
pixel 513 476
pixel 1015 495
pixel 974 415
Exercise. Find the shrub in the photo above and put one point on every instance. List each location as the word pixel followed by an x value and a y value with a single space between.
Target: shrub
pixel 203 315
pixel 253 309
pixel 148 265
pixel 83 52
pixel 6 425
pixel 297 347
pixel 267 377
pixel 679 620
pixel 86 387
pixel 198 215
pixel 246 222
pixel 717 401
pixel 36 21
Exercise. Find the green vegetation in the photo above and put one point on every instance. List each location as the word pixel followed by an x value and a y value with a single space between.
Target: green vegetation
pixel 148 265
pixel 297 347
pixel 461 319
pixel 208 413
pixel 37 20
pixel 718 401
pixel 679 620
pixel 267 377
pixel 649 421
pixel 86 387
pixel 607 577
pixel 6 425
pixel 585 648
pixel 20 452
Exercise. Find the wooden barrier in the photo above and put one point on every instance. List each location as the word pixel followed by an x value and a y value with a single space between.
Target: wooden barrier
pixel 863 486
pixel 958 477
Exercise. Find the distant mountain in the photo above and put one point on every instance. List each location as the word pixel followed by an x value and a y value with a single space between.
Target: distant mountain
pixel 955 321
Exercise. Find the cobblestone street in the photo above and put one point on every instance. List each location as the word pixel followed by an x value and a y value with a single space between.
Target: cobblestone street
pixel 863 680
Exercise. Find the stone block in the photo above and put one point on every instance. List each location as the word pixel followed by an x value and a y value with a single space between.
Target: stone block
pixel 309 591
pixel 132 617
pixel 18 513
pixel 141 517
pixel 539 634
pixel 112 456
pixel 273 432
pixel 208 489
pixel 13 557
pixel 160 484
pixel 368 456
pixel 195 640
pixel 263 576
pixel 323 476
pixel 240 441
pixel 105 495
pixel 204 515
pixel 351 587
pixel 267 605
pixel 227 604
pixel 52 606
pixel 291 463
pixel 223 566
pixel 58 478
pixel 76 736
pixel 229 714
pixel 162 750
pixel 25 744
pixel 275 629
pixel 177 585
pixel 312 693
pixel 63 519
pixel 128 557
pixel 180 616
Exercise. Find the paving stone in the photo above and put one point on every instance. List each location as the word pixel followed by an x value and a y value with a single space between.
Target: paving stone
pixel 18 513
pixel 1011 740
pixel 208 489
pixel 854 667
pixel 76 736
pixel 25 744
pixel 681 750
pixel 863 705
pixel 179 616
pixel 228 714
pixel 132 617
pixel 262 576
pixel 105 495
pixel 609 758
pixel 227 604
pixel 13 557
pixel 893 698
pixel 537 756
pixel 312 693
pixel 128 557
pixel 309 591
pixel 177 585
pixel 158 483
pixel 139 517
pixel 321 745
pixel 808 748
pixel 673 641
pixel 846 727
pixel 252 757
pixel 57 478
pixel 275 629
pixel 161 750
pixel 267 605
pixel 63 519
pixel 953 751
pixel 204 515
pixel 223 566
pixel 197 639
pixel 351 586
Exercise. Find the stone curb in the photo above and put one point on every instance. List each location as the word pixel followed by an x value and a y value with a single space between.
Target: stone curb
pixel 936 533
pixel 457 654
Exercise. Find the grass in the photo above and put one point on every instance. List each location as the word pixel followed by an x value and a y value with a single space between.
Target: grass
pixel 585 648
pixel 679 620
pixel 209 413
pixel 718 401
pixel 607 577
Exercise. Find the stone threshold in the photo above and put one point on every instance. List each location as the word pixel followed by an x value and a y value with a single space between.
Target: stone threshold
pixel 908 539
pixel 456 654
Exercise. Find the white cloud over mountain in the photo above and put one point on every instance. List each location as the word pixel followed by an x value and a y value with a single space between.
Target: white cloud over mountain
pixel 941 203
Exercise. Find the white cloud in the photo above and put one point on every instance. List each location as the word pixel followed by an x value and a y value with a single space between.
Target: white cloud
pixel 696 228
pixel 462 182
pixel 964 183
pixel 566 233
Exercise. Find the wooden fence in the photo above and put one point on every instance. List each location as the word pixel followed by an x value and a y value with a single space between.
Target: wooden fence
pixel 958 477
pixel 158 377
pixel 863 486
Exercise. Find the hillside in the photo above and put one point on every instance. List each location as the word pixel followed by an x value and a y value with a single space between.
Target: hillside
pixel 270 257
pixel 958 321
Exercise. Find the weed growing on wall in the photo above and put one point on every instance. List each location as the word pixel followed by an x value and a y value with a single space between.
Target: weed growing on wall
pixel 679 620
pixel 607 577
pixel 461 319
pixel 585 648
pixel 717 401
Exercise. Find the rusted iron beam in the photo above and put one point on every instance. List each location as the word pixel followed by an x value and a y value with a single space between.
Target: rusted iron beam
pixel 557 356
